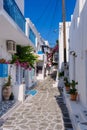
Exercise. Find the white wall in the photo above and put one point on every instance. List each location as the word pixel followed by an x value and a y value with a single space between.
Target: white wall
pixel 78 43
pixel 29 25
pixel 5 55
pixel 61 46
pixel 67 39
pixel 12 71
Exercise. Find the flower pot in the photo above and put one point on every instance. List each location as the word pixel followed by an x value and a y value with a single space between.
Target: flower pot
pixel 6 92
pixel 67 88
pixel 73 97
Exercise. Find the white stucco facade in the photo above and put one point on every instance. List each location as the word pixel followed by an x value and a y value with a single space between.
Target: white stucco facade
pixel 77 58
pixel 12 27
pixel 61 45
pixel 78 44
pixel 15 28
pixel 38 41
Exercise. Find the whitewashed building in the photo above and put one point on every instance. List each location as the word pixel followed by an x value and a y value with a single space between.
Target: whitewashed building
pixel 61 44
pixel 78 64
pixel 78 39
pixel 42 63
pixel 39 43
pixel 14 30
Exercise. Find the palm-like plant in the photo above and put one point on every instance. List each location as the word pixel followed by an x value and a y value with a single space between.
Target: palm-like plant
pixel 66 82
pixel 73 89
pixel 25 55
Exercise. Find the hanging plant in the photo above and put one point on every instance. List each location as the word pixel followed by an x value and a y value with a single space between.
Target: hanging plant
pixel 24 56
pixel 4 61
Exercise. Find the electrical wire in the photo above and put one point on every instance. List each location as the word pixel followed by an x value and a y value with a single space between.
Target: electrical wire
pixel 53 19
pixel 43 12
pixel 43 19
pixel 48 18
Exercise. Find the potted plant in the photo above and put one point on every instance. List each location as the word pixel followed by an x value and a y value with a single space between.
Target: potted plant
pixel 24 57
pixel 6 90
pixel 61 74
pixel 73 90
pixel 67 84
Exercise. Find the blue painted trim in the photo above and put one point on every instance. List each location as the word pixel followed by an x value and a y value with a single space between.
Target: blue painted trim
pixel 40 52
pixel 31 92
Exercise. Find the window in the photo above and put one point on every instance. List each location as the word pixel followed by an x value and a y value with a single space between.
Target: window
pixel 32 36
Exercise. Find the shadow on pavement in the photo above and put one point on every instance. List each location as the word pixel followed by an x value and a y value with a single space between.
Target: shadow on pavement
pixel 64 110
pixel 61 103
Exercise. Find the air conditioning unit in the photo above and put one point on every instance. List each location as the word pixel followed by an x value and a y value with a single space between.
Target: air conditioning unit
pixel 11 46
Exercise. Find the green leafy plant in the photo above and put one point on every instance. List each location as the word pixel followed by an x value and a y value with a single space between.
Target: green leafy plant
pixel 73 83
pixel 73 89
pixel 25 55
pixel 8 83
pixel 66 82
pixel 11 96
pixel 61 74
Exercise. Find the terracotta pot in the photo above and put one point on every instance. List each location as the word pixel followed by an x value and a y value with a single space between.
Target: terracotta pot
pixel 67 88
pixel 6 92
pixel 73 97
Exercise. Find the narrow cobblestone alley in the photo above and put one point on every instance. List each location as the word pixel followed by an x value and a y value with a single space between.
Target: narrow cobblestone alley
pixel 42 111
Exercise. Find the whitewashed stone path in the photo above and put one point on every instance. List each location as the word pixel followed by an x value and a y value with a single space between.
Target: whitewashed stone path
pixel 40 112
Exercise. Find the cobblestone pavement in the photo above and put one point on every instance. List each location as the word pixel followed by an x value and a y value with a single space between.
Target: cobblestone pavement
pixel 41 112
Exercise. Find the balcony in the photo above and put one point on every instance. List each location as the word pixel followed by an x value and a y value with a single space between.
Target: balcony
pixel 14 12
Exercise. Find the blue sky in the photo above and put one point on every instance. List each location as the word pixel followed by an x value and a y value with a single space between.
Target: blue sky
pixel 46 15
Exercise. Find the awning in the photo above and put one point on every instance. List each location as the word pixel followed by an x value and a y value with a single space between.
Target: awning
pixel 40 52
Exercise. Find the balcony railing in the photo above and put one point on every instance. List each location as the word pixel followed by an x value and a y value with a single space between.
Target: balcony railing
pixel 13 10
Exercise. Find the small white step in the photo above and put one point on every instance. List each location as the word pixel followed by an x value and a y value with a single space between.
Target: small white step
pixel 82 126
pixel 84 115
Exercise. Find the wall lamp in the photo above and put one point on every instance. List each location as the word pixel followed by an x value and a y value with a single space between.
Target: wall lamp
pixel 73 53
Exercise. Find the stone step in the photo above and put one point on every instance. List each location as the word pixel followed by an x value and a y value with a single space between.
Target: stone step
pixel 66 120
pixel 67 125
pixel 68 128
pixel 66 114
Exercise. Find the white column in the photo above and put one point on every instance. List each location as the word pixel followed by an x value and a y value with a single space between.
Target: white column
pixel 21 96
